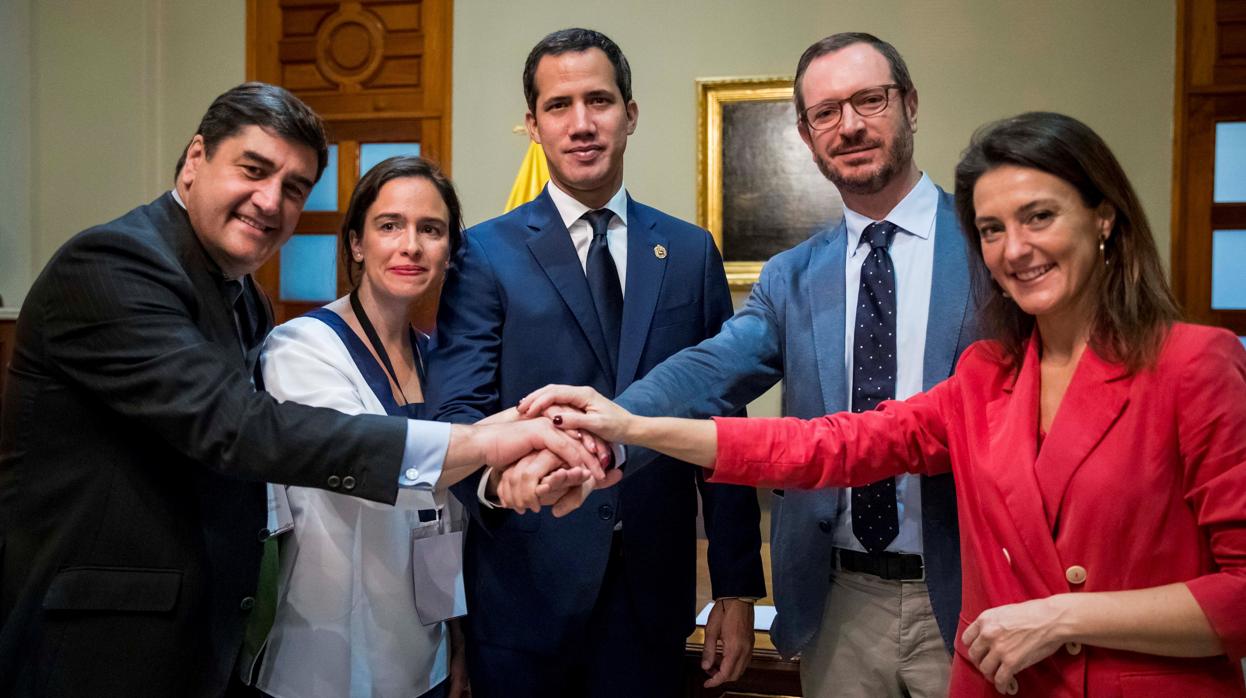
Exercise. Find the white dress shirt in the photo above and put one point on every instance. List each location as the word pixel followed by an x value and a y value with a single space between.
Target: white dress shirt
pixel 572 213
pixel 912 254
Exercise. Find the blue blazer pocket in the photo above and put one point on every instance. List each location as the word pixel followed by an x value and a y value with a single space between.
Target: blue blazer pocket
pixel 127 589
pixel 677 314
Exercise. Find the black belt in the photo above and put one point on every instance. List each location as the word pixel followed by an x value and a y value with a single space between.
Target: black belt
pixel 885 565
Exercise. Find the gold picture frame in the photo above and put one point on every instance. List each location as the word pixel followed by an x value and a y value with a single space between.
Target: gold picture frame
pixel 771 180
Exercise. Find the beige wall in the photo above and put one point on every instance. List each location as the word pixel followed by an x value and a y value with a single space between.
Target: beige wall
pixel 99 99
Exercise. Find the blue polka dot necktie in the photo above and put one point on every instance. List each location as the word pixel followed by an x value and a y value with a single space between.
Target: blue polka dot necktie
pixel 875 521
pixel 603 284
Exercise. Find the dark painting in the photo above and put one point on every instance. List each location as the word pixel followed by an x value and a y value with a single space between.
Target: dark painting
pixel 774 197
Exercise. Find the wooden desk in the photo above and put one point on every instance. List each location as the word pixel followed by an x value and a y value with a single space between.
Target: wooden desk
pixel 768 675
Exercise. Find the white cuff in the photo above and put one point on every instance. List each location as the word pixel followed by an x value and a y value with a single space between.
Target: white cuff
pixel 424 455
pixel 483 487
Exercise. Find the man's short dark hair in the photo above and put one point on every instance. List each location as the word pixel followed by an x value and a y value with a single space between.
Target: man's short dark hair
pixel 576 39
pixel 833 43
pixel 270 107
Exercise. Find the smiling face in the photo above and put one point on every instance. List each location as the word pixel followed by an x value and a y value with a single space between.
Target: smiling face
pixel 245 199
pixel 582 124
pixel 405 241
pixel 862 154
pixel 1040 242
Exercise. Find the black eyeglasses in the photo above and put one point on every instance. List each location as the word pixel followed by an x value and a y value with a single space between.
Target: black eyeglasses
pixel 867 102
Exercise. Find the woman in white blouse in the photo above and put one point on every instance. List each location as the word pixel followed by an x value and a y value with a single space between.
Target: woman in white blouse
pixel 360 614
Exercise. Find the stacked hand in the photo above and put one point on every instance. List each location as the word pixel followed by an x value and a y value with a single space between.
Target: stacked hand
pixel 543 477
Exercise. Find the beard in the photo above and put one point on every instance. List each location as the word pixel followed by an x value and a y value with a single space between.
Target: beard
pixel 896 160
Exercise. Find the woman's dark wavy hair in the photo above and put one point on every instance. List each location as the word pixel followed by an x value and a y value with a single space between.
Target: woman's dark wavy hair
pixel 369 187
pixel 1134 307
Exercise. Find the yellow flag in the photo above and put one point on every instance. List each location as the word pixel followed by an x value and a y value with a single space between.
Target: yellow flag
pixel 533 174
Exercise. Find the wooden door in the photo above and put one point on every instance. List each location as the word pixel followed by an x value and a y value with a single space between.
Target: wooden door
pixel 1209 163
pixel 378 72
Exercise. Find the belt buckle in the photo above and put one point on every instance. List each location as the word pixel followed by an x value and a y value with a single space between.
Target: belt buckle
pixel 922 578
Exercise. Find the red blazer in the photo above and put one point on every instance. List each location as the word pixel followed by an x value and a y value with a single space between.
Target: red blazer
pixel 1141 482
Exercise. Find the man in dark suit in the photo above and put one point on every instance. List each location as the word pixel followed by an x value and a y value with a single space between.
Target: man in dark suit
pixel 585 285
pixel 869 603
pixel 134 446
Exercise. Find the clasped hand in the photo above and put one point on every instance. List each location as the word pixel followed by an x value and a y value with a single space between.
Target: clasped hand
pixel 541 478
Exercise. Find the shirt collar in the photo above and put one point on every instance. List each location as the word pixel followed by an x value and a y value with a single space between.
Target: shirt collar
pixel 570 209
pixel 915 214
pixel 178 198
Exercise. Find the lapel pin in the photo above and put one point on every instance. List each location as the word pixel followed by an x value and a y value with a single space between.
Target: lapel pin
pixel 659 251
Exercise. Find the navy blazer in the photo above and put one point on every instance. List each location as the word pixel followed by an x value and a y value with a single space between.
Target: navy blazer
pixel 516 314
pixel 792 327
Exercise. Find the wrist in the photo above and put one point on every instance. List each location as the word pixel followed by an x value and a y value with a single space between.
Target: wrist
pixel 1065 624
pixel 636 430
pixel 467 446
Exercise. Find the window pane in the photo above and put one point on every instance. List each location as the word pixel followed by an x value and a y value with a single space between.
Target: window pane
pixel 1230 186
pixel 309 268
pixel 324 196
pixel 1228 269
pixel 372 153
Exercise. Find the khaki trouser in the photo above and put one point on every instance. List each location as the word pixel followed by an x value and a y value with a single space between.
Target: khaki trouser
pixel 877 638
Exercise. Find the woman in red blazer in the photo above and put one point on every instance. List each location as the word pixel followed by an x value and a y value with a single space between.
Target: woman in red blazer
pixel 1099 446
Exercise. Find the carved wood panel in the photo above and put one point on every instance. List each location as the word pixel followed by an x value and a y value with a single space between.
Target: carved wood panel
pixel 375 70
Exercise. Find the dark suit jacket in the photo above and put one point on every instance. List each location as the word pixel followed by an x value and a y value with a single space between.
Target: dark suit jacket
pixel 516 314
pixel 131 465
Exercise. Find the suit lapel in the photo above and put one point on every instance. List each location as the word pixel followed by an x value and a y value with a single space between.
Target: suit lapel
pixel 215 317
pixel 645 272
pixel 824 284
pixel 551 246
pixel 1094 400
pixel 264 307
pixel 1012 418
pixel 949 296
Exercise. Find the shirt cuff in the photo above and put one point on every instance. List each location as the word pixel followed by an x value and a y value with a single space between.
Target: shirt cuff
pixel 424 455
pixel 620 454
pixel 483 488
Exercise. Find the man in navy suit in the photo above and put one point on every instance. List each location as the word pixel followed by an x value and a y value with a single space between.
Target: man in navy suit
pixel 867 581
pixel 585 285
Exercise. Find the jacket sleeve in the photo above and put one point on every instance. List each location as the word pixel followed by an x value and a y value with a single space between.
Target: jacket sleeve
pixel 739 360
pixel 731 513
pixel 842 449
pixel 464 355
pixel 118 319
pixel 1212 431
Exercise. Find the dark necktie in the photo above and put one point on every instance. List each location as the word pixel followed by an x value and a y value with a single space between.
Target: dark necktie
pixel 874 514
pixel 603 284
pixel 246 318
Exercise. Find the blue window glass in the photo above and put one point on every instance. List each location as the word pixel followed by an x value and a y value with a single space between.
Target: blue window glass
pixel 1230 174
pixel 309 268
pixel 1228 269
pixel 1244 345
pixel 372 153
pixel 323 196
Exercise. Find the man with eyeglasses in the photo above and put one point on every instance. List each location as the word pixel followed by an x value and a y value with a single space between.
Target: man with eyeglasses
pixel 866 581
